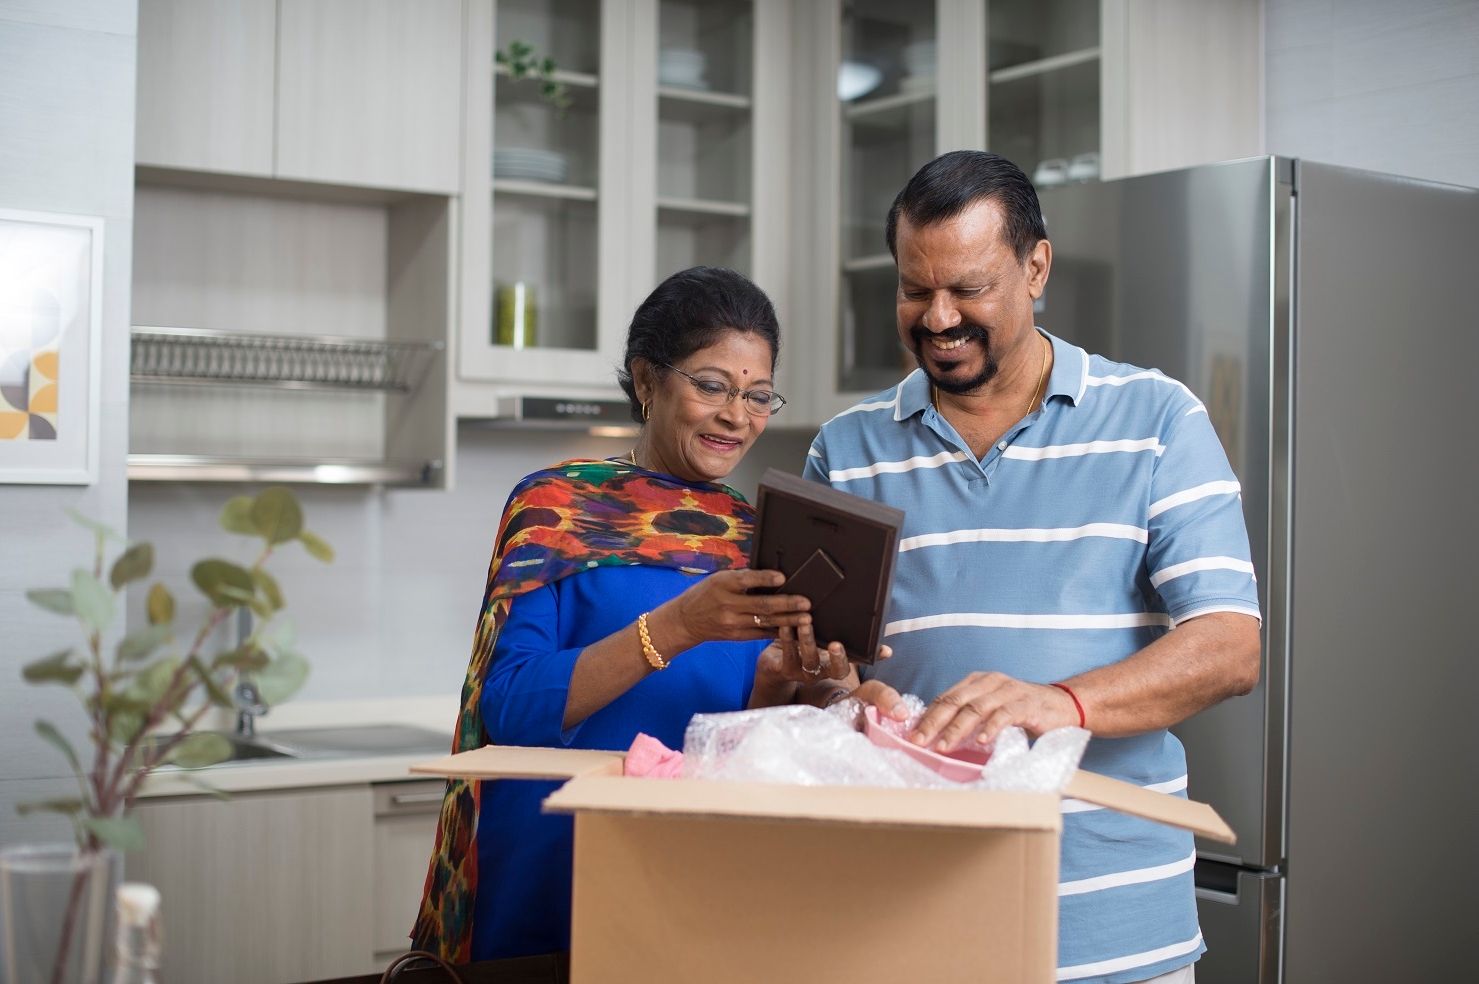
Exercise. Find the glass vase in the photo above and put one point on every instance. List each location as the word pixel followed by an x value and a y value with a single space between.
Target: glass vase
pixel 57 920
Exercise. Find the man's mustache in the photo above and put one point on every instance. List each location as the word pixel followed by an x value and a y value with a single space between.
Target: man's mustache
pixel 920 334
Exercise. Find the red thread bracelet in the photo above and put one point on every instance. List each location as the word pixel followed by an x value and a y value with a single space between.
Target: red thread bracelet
pixel 1073 697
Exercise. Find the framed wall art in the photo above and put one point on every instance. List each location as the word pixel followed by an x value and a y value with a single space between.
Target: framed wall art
pixel 51 302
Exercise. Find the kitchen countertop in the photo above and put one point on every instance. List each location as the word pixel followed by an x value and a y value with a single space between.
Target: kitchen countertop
pixel 266 775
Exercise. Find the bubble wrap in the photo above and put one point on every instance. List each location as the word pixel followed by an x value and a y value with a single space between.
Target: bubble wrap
pixel 807 746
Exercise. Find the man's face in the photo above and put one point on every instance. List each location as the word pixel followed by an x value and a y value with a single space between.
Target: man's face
pixel 964 300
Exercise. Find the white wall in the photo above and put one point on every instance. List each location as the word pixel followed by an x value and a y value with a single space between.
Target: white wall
pixel 394 615
pixel 1389 86
pixel 66 145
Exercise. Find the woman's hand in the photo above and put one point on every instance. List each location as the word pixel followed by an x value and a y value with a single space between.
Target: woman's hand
pixel 801 660
pixel 720 607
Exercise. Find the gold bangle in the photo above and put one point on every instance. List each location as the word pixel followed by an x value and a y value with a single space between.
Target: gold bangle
pixel 653 656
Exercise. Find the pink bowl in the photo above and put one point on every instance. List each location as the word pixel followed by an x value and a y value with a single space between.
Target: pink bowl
pixel 962 765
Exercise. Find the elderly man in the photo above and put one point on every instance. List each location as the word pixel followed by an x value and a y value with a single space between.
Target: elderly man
pixel 1074 550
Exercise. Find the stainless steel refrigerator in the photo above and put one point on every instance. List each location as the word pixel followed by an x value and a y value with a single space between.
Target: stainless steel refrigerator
pixel 1329 319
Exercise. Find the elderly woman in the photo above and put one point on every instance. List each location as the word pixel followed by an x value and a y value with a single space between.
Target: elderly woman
pixel 617 603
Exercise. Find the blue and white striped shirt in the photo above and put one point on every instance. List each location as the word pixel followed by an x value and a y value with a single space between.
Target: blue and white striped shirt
pixel 1088 530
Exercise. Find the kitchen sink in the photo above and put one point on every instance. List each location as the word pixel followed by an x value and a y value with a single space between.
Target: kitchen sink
pixel 358 741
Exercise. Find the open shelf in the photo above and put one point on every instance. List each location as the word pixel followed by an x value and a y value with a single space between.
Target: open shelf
pixel 699 105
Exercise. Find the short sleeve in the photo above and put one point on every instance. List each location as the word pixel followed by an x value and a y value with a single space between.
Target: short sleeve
pixel 1197 553
pixel 528 683
pixel 816 461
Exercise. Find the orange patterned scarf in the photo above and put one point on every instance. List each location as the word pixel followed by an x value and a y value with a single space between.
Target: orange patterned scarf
pixel 558 522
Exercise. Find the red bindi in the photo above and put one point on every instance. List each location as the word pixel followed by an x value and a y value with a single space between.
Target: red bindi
pixel 745 371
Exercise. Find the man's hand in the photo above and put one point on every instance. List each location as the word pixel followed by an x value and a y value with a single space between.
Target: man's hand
pixel 992 701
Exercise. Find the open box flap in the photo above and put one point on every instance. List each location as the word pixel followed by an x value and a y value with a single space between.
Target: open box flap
pixel 517 762
pixel 833 804
pixel 1138 801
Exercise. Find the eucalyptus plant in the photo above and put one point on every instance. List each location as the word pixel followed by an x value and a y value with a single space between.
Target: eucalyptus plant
pixel 523 63
pixel 145 700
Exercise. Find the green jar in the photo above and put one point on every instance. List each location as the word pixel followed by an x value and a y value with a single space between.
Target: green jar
pixel 518 316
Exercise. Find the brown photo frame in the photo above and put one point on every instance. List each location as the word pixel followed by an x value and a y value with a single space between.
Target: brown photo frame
pixel 835 548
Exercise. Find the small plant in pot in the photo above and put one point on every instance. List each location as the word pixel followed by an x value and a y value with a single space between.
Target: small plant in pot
pixel 143 703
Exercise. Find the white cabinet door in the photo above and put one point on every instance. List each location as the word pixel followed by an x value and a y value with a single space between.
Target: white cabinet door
pixel 206 78
pixel 266 888
pixel 370 93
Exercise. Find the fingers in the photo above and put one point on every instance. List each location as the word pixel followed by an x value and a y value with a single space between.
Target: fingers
pixel 810 659
pixel 884 697
pixel 837 666
pixel 747 578
pixel 954 714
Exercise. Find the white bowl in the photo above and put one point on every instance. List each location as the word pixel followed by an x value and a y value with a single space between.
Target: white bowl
pixel 856 79
pixel 1084 167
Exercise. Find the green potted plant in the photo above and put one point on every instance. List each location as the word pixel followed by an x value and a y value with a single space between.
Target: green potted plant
pixel 523 63
pixel 143 703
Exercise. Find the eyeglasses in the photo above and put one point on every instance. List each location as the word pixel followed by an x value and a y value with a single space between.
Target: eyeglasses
pixel 718 393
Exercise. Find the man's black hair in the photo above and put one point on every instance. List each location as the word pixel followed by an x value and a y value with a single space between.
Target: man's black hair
pixel 953 182
pixel 689 311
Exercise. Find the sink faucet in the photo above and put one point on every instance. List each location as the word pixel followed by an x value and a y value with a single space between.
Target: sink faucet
pixel 249 706
pixel 245 695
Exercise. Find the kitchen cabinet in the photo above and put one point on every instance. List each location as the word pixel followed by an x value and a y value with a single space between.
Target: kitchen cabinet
pixel 673 153
pixel 282 886
pixel 1067 89
pixel 265 888
pixel 369 93
pixel 359 93
pixel 206 85
pixel 405 831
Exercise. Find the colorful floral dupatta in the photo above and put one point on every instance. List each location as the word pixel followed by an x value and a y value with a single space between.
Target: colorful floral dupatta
pixel 558 522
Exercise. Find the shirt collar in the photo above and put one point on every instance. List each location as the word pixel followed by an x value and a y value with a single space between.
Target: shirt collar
pixel 1069 379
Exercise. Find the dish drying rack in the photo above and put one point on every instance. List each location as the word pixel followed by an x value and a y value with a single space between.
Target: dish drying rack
pixel 214 356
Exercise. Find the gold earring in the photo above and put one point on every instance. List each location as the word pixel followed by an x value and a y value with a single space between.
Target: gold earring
pixel 644 411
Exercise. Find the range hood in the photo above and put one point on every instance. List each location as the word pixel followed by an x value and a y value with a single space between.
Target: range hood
pixel 601 418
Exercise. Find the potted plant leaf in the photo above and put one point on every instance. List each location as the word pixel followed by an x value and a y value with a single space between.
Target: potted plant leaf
pixel 143 702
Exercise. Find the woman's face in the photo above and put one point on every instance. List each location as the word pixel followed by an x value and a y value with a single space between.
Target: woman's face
pixel 693 440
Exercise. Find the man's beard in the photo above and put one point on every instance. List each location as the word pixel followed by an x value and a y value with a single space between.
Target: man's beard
pixel 989 365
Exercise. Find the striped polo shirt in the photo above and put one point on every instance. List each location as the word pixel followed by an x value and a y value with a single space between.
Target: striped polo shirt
pixel 1088 530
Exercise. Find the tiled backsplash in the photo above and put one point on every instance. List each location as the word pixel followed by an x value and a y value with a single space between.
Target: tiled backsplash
pixel 393 616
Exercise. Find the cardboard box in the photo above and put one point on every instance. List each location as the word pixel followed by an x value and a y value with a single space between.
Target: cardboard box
pixel 735 883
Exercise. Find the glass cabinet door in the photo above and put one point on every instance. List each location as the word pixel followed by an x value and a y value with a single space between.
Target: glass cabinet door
pixel 704 134
pixel 545 162
pixel 1044 88
pixel 886 89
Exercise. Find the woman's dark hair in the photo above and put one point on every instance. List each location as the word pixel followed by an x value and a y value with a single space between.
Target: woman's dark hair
pixel 951 183
pixel 689 311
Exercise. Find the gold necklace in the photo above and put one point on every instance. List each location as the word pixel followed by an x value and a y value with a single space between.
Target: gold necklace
pixel 1042 379
pixel 632 457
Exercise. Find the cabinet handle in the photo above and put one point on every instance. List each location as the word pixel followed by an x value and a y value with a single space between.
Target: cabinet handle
pixel 407 799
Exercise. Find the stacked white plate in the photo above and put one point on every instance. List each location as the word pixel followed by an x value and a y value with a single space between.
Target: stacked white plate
pixel 528 164
pixel 683 67
pixel 920 62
